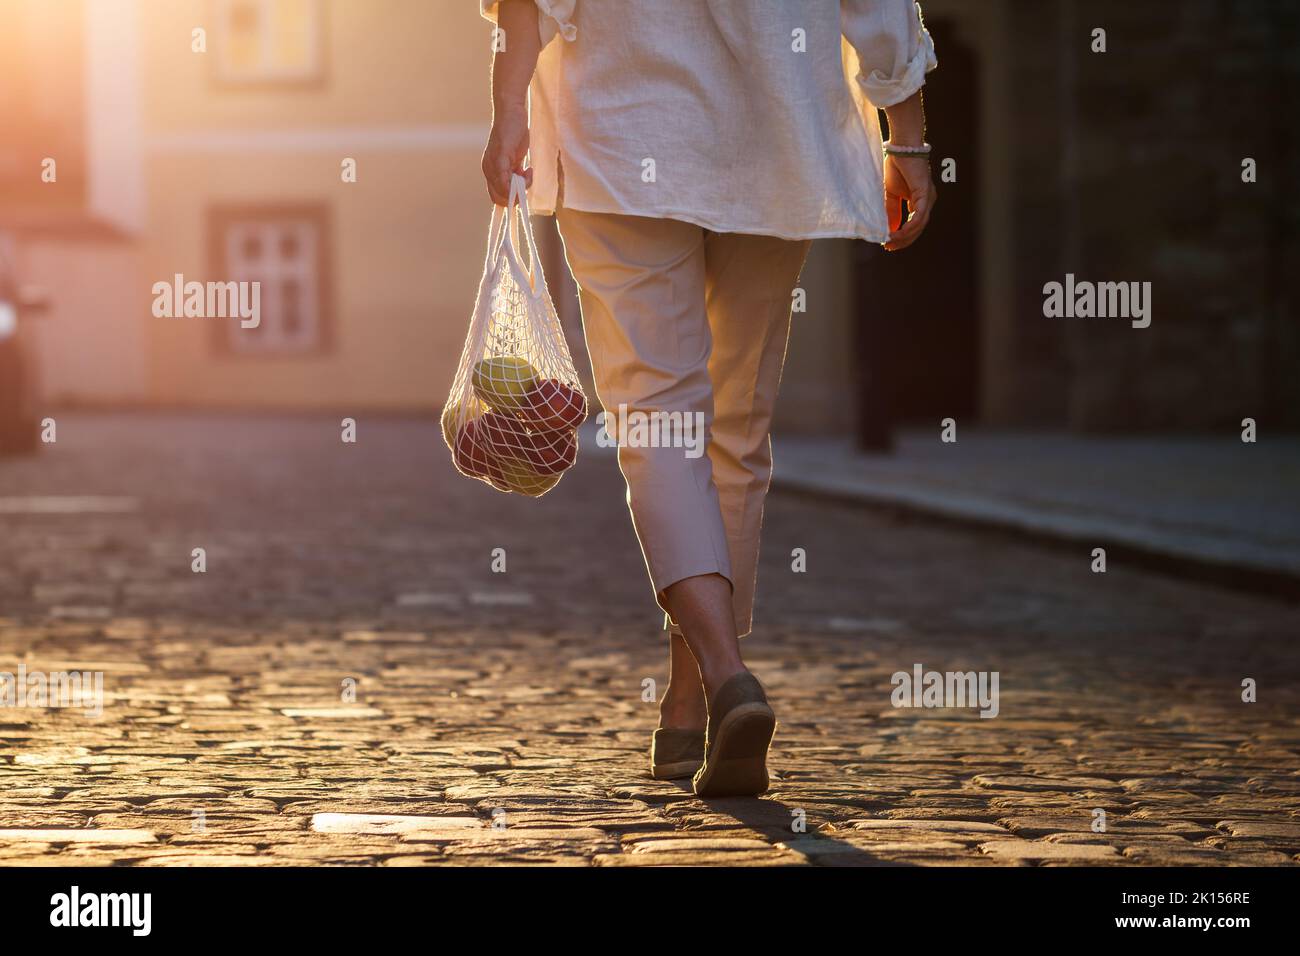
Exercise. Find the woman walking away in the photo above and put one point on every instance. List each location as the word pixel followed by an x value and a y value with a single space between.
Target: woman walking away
pixel 691 150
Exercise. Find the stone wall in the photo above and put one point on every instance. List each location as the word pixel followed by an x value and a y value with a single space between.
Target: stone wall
pixel 1128 167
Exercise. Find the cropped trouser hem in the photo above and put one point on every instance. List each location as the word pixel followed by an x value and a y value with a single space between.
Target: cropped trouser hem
pixel 691 326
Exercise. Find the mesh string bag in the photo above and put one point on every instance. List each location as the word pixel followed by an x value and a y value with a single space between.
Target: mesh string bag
pixel 512 415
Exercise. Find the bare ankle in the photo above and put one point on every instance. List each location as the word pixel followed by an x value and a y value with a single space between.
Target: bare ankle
pixel 717 674
pixel 683 707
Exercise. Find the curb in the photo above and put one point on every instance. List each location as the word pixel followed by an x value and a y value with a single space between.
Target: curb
pixel 1123 544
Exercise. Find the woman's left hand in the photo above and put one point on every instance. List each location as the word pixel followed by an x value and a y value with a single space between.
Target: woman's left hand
pixel 507 146
pixel 907 178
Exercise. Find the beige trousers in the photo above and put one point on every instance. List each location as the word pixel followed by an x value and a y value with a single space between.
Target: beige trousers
pixel 680 319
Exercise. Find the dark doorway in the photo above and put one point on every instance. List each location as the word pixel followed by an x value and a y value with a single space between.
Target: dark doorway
pixel 917 311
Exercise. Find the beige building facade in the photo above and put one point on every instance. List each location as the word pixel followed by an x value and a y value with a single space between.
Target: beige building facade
pixel 329 151
pixel 324 149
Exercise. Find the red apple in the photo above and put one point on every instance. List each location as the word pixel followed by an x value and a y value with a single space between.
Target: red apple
pixel 496 476
pixel 553 452
pixel 553 406
pixel 471 452
pixel 546 453
pixel 506 436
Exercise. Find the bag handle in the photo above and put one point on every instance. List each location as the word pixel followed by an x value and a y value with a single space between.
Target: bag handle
pixel 516 212
pixel 495 236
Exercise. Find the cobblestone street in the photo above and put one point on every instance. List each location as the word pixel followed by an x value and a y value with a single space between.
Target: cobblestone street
pixel 499 717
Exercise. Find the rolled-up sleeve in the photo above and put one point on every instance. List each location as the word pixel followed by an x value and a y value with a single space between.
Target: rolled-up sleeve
pixel 553 16
pixel 893 46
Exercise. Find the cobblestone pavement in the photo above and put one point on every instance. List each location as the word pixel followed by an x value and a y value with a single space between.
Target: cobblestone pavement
pixel 227 738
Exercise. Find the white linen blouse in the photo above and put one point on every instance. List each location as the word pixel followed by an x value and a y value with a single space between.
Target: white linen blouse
pixel 750 116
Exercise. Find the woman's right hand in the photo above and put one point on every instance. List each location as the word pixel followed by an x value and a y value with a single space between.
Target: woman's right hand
pixel 507 146
pixel 907 178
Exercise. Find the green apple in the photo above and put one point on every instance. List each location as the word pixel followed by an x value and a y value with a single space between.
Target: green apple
pixel 504 382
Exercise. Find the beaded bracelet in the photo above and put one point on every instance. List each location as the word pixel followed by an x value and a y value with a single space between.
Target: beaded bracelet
pixel 891 149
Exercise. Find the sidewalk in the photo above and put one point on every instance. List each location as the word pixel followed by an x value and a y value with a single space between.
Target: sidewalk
pixel 1209 508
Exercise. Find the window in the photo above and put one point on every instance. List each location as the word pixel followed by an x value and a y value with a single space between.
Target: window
pixel 268 41
pixel 284 250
